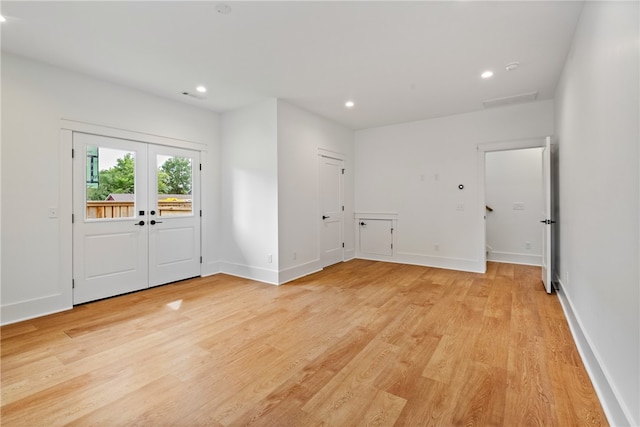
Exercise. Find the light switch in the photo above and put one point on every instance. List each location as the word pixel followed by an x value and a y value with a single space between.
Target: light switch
pixel 518 206
pixel 53 212
pixel 460 207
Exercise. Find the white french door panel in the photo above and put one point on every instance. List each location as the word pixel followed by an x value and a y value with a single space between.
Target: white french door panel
pixel 331 214
pixel 174 230
pixel 109 253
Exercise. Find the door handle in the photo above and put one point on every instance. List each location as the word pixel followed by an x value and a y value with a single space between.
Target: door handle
pixel 363 223
pixel 548 221
pixel 325 217
pixel 154 222
pixel 139 223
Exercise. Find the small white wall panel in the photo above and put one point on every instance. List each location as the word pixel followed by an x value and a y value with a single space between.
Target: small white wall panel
pixel 376 236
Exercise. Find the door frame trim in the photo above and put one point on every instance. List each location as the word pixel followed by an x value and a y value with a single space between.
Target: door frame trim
pixel 65 196
pixel 483 148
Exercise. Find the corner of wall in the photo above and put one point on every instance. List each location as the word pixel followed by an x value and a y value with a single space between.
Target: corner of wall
pixel 250 272
pixel 298 271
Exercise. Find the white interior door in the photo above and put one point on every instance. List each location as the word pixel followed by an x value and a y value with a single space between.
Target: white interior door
pixel 174 214
pixel 110 237
pixel 547 221
pixel 331 210
pixel 136 223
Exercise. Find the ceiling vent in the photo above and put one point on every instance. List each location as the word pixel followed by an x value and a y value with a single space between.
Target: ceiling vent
pixel 516 99
pixel 194 95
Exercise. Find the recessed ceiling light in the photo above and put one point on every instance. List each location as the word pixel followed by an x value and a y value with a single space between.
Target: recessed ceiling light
pixel 201 89
pixel 349 104
pixel 3 19
pixel 487 74
pixel 512 66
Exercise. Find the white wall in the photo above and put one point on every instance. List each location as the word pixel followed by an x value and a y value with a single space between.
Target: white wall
pixel 414 170
pixel 250 192
pixel 241 200
pixel 598 138
pixel 300 135
pixel 270 189
pixel 514 178
pixel 35 97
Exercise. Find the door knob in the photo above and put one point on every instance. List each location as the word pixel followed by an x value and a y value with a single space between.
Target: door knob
pixel 152 212
pixel 325 217
pixel 139 223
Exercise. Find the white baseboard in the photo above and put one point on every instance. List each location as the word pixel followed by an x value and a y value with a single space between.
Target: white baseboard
pixel 25 310
pixel 514 258
pixel 249 272
pixel 349 254
pixel 210 268
pixel 614 409
pixel 447 263
pixel 297 271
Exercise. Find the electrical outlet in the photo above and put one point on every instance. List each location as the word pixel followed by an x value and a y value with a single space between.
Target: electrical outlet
pixel 436 247
pixel 527 245
pixel 295 256
pixel 460 207
pixel 269 258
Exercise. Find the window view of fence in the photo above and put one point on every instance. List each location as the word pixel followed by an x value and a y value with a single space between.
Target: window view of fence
pixel 111 184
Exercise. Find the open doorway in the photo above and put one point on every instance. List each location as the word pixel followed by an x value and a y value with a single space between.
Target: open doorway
pixel 513 198
pixel 544 212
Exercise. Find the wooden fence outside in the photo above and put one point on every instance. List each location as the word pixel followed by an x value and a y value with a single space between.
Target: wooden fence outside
pixel 97 209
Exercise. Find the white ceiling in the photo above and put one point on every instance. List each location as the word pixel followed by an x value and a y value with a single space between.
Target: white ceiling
pixel 399 61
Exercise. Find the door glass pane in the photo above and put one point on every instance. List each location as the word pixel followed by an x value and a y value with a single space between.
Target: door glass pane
pixel 175 179
pixel 110 183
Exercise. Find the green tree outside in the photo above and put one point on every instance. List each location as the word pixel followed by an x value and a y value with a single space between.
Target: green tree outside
pixel 174 177
pixel 118 180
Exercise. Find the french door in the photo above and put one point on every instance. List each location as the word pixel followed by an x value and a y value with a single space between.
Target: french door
pixel 136 216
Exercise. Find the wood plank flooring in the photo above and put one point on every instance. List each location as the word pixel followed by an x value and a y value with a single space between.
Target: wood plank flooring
pixel 361 343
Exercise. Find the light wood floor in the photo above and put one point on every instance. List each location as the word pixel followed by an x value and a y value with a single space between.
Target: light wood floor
pixel 361 343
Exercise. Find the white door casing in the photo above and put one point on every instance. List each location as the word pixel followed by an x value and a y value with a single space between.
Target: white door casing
pixel 112 256
pixel 331 176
